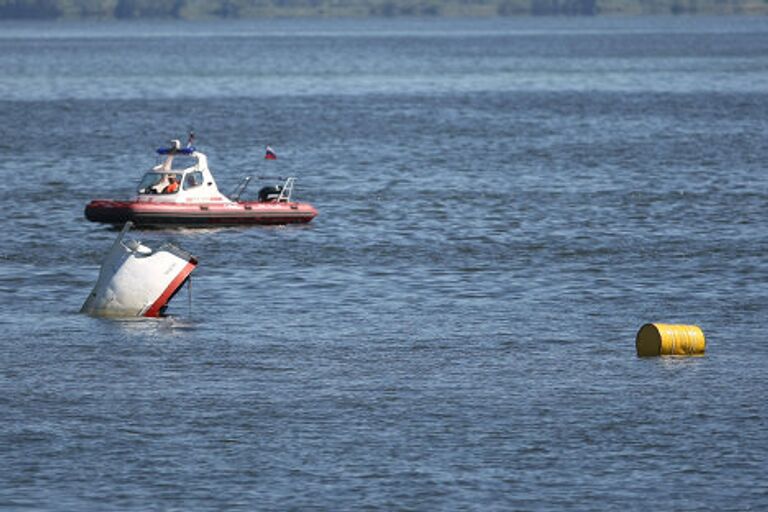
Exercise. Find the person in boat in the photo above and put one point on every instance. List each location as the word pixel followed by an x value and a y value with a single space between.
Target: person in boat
pixel 172 186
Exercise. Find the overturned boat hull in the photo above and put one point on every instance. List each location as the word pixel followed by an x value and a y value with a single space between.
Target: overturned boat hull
pixel 136 281
pixel 146 214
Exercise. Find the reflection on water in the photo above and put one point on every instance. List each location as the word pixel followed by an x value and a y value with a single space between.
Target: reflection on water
pixel 160 329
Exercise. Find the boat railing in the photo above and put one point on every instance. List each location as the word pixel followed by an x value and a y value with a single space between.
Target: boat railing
pixel 240 188
pixel 283 197
pixel 285 193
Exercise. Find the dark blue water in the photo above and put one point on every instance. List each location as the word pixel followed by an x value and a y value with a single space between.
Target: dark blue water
pixel 502 205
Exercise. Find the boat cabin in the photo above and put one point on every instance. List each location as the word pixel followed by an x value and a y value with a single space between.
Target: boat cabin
pixel 189 180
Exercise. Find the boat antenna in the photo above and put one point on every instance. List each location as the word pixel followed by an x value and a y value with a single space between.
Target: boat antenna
pixel 189 296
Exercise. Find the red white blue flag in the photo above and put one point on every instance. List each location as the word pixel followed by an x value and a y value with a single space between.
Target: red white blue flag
pixel 270 155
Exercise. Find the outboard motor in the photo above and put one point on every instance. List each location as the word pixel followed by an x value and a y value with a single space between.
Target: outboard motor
pixel 270 194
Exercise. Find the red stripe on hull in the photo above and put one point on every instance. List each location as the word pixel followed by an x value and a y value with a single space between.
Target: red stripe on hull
pixel 157 306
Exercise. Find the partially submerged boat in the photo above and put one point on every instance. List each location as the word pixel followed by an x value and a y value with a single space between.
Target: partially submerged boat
pixel 135 280
pixel 188 196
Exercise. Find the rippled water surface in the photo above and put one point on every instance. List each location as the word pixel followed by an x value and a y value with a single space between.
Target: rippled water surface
pixel 502 205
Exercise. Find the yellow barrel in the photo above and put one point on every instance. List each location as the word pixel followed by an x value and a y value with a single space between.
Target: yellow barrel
pixel 670 340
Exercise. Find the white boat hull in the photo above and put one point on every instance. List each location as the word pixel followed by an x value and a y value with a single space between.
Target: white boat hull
pixel 136 281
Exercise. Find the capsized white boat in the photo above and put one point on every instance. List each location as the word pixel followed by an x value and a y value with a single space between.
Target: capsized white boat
pixel 136 281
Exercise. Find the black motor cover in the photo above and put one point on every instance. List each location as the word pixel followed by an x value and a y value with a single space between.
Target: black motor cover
pixel 268 194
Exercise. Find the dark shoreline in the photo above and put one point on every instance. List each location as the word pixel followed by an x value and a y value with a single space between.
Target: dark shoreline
pixel 249 9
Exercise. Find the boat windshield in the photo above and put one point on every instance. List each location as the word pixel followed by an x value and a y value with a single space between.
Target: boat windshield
pixel 160 183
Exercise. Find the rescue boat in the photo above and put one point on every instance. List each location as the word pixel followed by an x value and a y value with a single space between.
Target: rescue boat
pixel 187 195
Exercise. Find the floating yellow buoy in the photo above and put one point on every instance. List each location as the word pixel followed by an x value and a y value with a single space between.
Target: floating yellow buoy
pixel 670 340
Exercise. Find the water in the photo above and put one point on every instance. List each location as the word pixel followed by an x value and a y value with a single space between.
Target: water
pixel 503 203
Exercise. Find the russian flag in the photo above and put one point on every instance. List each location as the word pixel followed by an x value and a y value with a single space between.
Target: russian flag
pixel 270 155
